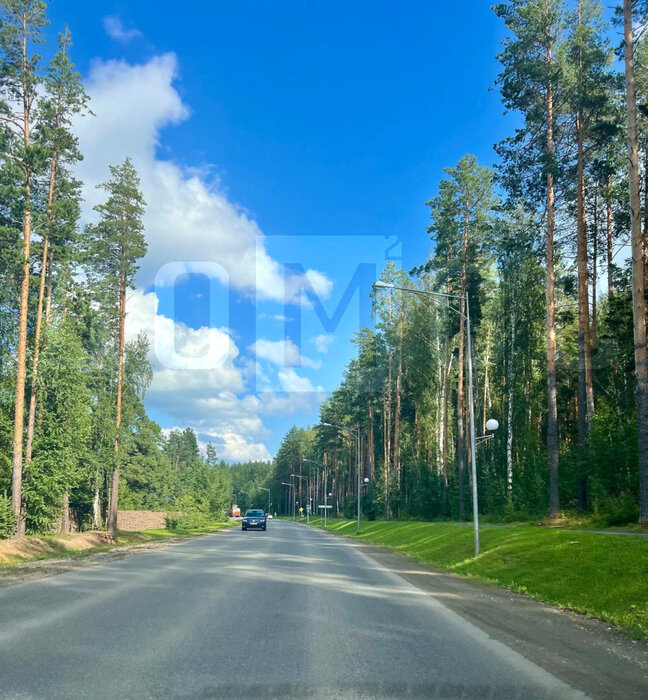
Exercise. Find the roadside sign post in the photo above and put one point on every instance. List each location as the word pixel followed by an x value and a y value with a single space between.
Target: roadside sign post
pixel 325 494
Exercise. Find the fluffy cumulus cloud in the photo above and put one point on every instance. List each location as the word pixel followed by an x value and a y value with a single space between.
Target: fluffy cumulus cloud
pixel 282 353
pixel 190 222
pixel 210 398
pixel 201 378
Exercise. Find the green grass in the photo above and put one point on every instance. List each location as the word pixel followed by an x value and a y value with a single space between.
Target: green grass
pixel 179 532
pixel 51 546
pixel 604 576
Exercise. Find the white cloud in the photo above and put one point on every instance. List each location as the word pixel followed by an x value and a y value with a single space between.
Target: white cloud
pixel 322 342
pixel 292 382
pixel 200 379
pixel 235 449
pixel 115 29
pixel 283 353
pixel 188 216
pixel 214 401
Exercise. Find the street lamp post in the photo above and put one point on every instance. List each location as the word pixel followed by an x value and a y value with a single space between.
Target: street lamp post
pixel 311 461
pixel 297 476
pixel 471 400
pixel 262 488
pixel 290 486
pixel 356 433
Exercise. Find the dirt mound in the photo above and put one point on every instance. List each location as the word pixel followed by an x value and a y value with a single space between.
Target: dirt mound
pixel 12 551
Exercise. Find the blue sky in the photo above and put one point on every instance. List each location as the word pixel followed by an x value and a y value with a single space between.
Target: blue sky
pixel 313 132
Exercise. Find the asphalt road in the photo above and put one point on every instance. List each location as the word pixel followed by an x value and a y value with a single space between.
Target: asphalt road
pixel 291 612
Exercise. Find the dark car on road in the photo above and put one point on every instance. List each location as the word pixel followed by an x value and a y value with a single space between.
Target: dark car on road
pixel 254 519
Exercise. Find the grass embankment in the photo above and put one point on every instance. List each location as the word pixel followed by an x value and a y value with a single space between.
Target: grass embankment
pixel 601 575
pixel 82 544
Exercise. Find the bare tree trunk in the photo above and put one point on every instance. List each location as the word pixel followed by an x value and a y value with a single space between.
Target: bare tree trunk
pixel 21 347
pixel 96 510
pixel 594 333
pixel 440 395
pixel 461 436
pixel 510 381
pixel 552 404
pixel 114 491
pixel 485 402
pixel 645 210
pixel 444 430
pixel 65 514
pixel 638 278
pixel 610 237
pixel 387 444
pixel 39 313
pixel 371 447
pixel 397 415
pixel 461 409
pixel 48 302
pixel 585 387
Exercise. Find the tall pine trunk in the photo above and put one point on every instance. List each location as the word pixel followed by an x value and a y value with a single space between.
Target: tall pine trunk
pixel 638 278
pixel 387 444
pixel 552 405
pixel 585 387
pixel 65 514
pixel 486 399
pixel 114 491
pixel 444 430
pixel 39 311
pixel 397 413
pixel 461 407
pixel 595 252
pixel 370 440
pixel 609 231
pixel 23 309
pixel 510 382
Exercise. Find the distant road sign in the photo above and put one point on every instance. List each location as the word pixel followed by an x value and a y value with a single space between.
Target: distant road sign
pixel 325 506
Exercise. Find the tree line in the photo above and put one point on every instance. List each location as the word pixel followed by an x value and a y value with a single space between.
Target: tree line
pixel 548 249
pixel 75 440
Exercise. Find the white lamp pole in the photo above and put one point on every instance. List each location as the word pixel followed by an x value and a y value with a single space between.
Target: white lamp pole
pixel 438 296
pixel 356 433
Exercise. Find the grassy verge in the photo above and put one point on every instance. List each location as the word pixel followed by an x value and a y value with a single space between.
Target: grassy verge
pixel 79 545
pixel 604 576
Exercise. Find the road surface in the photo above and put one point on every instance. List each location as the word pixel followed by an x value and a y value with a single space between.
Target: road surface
pixel 291 612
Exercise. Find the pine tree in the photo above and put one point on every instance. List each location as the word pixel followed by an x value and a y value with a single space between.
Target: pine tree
pixel 460 220
pixel 21 24
pixel 530 81
pixel 65 98
pixel 588 57
pixel 116 244
pixel 638 272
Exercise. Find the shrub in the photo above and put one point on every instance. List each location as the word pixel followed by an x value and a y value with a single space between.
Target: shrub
pixel 191 513
pixel 619 510
pixel 7 520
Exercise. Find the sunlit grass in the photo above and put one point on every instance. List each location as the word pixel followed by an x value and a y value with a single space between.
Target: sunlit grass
pixel 54 546
pixel 180 532
pixel 605 576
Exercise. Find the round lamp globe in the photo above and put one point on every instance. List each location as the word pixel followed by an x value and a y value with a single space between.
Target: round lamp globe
pixel 492 424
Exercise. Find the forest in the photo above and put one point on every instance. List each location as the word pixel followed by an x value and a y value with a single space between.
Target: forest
pixel 75 440
pixel 545 252
pixel 548 251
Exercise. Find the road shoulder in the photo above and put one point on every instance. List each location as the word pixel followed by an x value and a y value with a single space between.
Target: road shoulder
pixel 584 652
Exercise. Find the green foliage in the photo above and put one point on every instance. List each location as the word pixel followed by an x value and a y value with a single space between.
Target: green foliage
pixel 61 438
pixel 116 243
pixel 7 519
